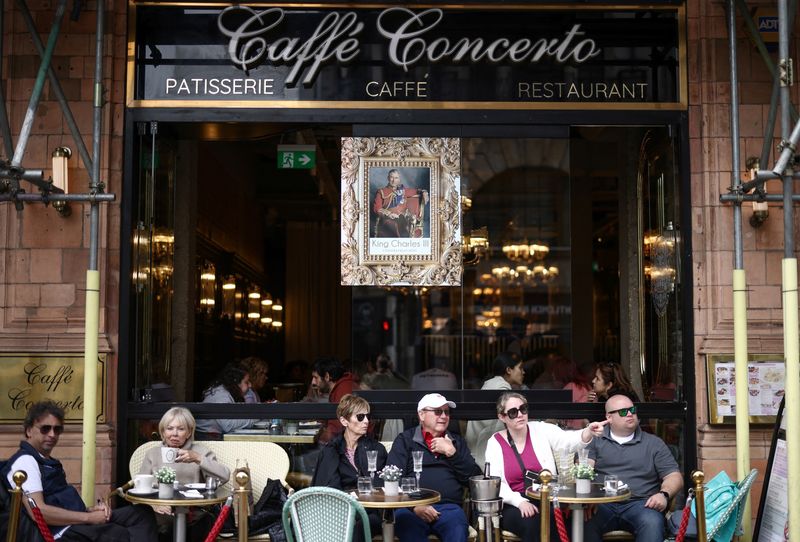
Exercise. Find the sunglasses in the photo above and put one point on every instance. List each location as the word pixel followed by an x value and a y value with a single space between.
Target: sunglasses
pixel 361 417
pixel 516 411
pixel 623 412
pixel 45 429
pixel 438 411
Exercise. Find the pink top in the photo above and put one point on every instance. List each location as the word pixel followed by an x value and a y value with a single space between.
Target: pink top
pixel 515 478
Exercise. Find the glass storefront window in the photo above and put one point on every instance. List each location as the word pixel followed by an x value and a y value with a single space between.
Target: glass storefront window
pixel 571 258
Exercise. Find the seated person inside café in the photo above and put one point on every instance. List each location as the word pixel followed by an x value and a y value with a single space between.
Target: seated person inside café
pixel 258 370
pixel 530 445
pixel 641 460
pixel 330 377
pixel 447 465
pixel 60 503
pixel 193 463
pixel 344 458
pixel 229 387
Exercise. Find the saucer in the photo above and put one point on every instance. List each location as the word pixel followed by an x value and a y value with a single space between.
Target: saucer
pixel 133 491
pixel 199 485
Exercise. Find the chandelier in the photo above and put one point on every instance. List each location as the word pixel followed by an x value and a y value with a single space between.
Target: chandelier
pixel 522 275
pixel 475 245
pixel 522 251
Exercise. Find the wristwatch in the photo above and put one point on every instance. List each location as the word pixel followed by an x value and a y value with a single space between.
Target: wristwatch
pixel 666 495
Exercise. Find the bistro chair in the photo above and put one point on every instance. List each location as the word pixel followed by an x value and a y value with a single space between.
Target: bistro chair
pixel 321 514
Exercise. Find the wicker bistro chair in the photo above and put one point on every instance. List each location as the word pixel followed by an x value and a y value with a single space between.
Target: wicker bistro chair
pixel 267 460
pixel 322 514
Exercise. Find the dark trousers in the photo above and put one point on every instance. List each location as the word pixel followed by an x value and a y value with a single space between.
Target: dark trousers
pixel 127 524
pixel 450 527
pixel 528 529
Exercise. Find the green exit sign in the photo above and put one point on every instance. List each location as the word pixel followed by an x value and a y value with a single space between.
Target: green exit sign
pixel 297 156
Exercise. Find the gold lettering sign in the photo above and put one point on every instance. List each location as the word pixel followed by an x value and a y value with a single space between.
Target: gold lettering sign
pixel 27 378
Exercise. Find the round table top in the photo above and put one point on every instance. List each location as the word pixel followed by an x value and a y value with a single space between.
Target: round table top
pixel 179 500
pixel 597 495
pixel 377 499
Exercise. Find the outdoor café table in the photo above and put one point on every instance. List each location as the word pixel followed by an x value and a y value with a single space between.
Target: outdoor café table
pixel 180 506
pixel 377 499
pixel 577 502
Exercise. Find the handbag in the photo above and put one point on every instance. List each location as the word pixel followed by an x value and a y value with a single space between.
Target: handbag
pixel 719 492
pixel 529 477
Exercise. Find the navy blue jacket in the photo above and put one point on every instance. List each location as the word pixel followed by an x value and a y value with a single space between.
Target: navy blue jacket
pixel 447 475
pixel 56 490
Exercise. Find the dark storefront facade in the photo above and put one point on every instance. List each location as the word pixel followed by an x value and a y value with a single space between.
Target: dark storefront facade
pixel 571 123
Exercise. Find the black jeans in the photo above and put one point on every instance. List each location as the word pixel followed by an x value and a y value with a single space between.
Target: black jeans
pixel 127 524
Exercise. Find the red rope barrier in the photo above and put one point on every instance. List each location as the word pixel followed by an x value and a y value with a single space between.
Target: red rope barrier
pixel 562 530
pixel 40 522
pixel 687 511
pixel 223 514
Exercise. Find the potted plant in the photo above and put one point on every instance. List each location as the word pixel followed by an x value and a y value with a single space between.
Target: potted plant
pixel 166 480
pixel 391 474
pixel 584 474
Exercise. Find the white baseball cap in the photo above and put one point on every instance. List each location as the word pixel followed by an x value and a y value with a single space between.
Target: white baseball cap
pixel 434 400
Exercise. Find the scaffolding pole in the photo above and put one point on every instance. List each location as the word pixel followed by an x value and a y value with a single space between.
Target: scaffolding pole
pixel 91 329
pixel 739 285
pixel 789 293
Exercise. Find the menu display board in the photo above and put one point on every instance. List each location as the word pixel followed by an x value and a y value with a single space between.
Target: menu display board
pixel 772 524
pixel 765 386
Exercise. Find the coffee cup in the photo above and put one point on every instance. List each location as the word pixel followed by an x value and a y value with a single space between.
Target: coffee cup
pixel 168 455
pixel 143 482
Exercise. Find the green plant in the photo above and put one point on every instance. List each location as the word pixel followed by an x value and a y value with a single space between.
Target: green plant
pixel 165 475
pixel 391 473
pixel 583 471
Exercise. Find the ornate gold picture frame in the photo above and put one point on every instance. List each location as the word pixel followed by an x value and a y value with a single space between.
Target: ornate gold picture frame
pixel 401 212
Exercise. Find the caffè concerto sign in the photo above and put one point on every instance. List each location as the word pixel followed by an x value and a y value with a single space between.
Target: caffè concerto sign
pixel 367 57
pixel 28 378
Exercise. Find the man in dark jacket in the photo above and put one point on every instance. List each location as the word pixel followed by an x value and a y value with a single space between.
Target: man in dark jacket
pixel 59 502
pixel 446 467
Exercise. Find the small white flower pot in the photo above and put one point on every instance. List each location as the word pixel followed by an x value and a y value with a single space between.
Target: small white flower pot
pixel 166 491
pixel 391 488
pixel 583 485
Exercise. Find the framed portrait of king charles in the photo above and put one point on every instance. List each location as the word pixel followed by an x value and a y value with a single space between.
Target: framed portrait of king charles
pixel 401 212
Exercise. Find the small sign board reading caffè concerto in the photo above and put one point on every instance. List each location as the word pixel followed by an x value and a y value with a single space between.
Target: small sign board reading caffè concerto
pixel 28 378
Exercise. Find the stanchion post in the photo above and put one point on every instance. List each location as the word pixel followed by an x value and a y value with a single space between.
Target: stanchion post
pixel 700 504
pixel 243 502
pixel 544 503
pixel 19 478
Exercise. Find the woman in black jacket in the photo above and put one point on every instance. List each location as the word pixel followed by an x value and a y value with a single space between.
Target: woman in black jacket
pixel 344 458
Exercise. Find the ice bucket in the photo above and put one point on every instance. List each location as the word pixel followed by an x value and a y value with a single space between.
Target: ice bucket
pixel 484 488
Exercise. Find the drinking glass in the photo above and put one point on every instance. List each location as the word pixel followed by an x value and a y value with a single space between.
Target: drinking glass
pixel 408 484
pixel 565 462
pixel 611 483
pixel 417 455
pixel 372 462
pixel 364 485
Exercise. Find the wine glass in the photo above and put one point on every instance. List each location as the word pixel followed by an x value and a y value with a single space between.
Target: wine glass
pixel 372 463
pixel 417 455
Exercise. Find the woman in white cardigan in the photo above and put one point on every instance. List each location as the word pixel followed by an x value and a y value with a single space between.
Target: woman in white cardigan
pixel 534 443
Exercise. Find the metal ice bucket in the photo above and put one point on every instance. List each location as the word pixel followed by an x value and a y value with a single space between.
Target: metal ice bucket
pixel 484 488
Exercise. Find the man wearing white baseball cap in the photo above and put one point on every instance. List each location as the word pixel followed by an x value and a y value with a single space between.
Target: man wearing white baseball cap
pixel 447 465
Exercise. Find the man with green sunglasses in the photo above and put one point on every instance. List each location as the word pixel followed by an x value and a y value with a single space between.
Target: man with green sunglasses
pixel 644 463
